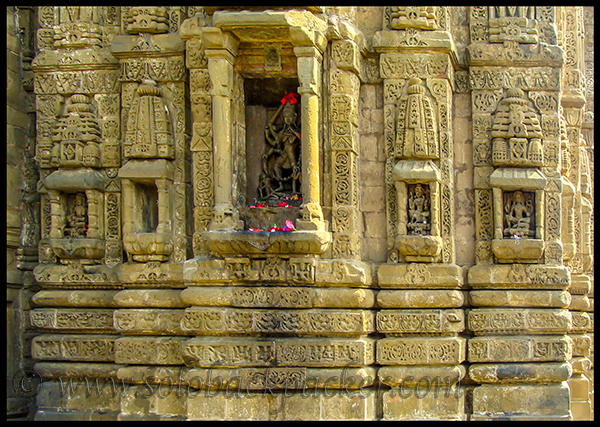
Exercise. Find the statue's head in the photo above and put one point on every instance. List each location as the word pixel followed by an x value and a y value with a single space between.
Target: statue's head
pixel 289 113
pixel 519 197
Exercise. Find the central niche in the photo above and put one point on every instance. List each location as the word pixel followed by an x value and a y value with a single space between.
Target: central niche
pixel 273 142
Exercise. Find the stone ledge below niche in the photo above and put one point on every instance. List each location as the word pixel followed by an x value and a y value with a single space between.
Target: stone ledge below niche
pixel 417 248
pixel 78 248
pixel 521 250
pixel 261 243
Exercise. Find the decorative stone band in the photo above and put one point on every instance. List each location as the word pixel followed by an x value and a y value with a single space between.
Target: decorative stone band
pixel 149 350
pixel 496 321
pixel 280 378
pixel 426 321
pixel 502 349
pixel 284 271
pixel 251 351
pixel 69 277
pixel 150 321
pixel 519 276
pixel 72 319
pixel 74 348
pixel 420 275
pixel 421 351
pixel 323 322
pixel 278 297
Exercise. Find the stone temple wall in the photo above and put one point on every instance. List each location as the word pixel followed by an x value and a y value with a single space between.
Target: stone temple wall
pixel 300 213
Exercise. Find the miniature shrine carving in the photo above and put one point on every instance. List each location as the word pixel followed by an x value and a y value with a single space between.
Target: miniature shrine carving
pixel 416 130
pixel 516 132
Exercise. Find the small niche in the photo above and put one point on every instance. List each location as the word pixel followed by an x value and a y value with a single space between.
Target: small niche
pixel 264 108
pixel 419 212
pixel 76 216
pixel 519 214
pixel 147 207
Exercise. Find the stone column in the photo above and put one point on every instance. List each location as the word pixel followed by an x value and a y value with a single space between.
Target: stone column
pixel 308 47
pixel 220 49
pixel 519 350
pixel 571 26
pixel 201 144
pixel 343 93
pixel 420 300
pixel 587 129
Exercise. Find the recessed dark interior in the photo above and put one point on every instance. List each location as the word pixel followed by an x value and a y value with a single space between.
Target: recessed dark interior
pixel 263 98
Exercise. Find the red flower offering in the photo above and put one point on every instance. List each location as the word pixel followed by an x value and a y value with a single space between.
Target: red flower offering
pixel 291 97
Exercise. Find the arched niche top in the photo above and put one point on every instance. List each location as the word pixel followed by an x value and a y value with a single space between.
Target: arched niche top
pixel 518 178
pixel 416 171
pixel 80 179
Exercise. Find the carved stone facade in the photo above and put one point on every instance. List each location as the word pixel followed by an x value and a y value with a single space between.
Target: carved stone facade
pixel 300 213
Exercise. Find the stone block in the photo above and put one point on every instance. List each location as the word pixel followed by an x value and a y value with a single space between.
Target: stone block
pixel 291 406
pixel 425 404
pixel 519 276
pixel 421 350
pixel 279 378
pixel 72 320
pixel 420 321
pixel 75 298
pixel 520 373
pixel 421 298
pixel 520 348
pixel 521 402
pixel 579 387
pixel 420 275
pixel 148 321
pixel 412 376
pixel 226 321
pixel 146 298
pixel 148 400
pixel 261 351
pixel 279 297
pixel 149 350
pixel 518 298
pixel 76 348
pixel 519 321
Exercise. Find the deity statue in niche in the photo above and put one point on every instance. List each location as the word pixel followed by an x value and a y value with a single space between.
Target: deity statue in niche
pixel 76 225
pixel 519 214
pixel 281 174
pixel 419 213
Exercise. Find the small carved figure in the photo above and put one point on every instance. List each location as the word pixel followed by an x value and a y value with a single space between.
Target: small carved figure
pixel 77 217
pixel 418 211
pixel 518 216
pixel 281 161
